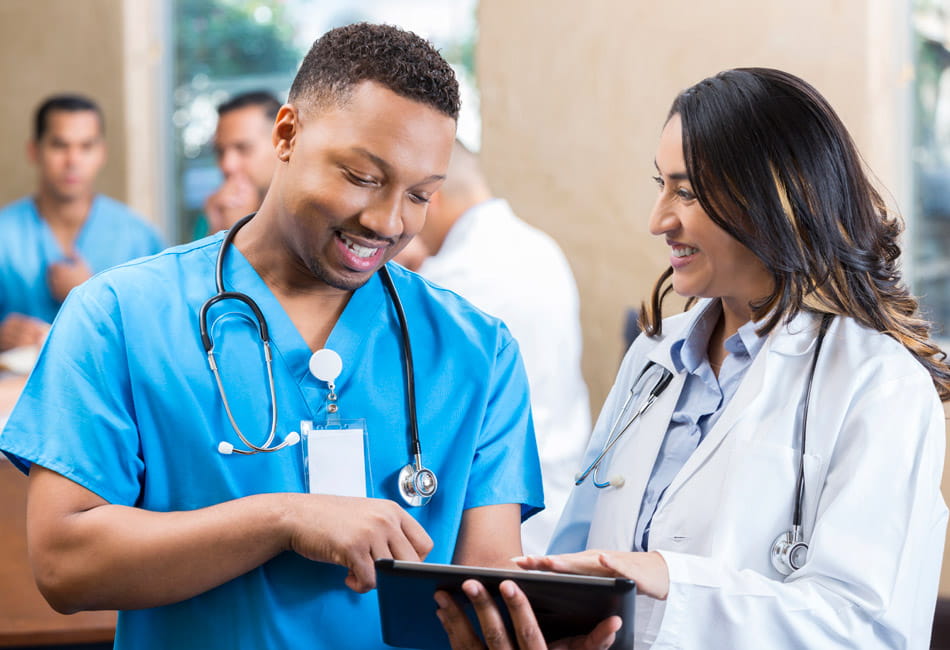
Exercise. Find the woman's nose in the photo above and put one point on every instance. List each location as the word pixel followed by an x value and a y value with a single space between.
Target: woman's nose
pixel 663 218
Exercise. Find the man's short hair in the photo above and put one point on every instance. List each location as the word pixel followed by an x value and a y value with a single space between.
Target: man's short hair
pixel 260 98
pixel 401 61
pixel 64 102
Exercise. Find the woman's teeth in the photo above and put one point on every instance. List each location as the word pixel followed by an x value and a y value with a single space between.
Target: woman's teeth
pixel 684 251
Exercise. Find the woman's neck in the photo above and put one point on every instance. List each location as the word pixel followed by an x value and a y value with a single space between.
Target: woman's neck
pixel 729 322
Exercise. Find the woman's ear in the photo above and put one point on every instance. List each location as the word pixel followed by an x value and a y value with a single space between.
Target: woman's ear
pixel 285 130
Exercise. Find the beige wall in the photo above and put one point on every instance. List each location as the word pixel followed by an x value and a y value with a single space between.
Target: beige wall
pixel 50 46
pixel 109 50
pixel 574 96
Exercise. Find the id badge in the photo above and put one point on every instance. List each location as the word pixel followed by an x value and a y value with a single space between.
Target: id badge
pixel 336 458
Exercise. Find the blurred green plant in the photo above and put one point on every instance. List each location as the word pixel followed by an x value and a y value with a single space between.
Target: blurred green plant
pixel 229 38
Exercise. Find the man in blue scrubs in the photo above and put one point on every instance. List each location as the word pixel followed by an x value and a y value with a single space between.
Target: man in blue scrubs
pixel 58 238
pixel 245 157
pixel 132 504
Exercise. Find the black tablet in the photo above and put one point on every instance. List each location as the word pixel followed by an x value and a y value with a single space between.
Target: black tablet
pixel 565 605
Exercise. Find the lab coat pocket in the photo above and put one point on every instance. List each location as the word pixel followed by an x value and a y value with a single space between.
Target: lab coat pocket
pixel 759 499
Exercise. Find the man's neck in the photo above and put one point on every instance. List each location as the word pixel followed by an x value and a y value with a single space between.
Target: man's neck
pixel 312 306
pixel 63 214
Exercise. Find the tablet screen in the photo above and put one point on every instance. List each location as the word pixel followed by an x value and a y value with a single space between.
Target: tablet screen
pixel 564 605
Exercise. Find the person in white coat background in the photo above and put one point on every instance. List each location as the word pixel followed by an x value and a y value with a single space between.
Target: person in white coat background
pixel 474 244
pixel 773 224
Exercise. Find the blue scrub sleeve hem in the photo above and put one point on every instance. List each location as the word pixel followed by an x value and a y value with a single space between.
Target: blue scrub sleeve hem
pixel 25 461
pixel 529 510
pixel 18 462
pixel 529 507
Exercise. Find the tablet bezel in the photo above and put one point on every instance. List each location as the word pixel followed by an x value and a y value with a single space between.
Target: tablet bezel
pixel 565 604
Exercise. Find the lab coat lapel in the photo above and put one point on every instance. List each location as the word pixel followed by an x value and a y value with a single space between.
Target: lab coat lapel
pixel 786 340
pixel 748 389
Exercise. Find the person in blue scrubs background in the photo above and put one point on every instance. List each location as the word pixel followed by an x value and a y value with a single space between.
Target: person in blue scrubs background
pixel 132 504
pixel 242 146
pixel 58 238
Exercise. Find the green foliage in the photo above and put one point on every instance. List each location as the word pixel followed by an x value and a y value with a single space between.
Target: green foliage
pixel 222 38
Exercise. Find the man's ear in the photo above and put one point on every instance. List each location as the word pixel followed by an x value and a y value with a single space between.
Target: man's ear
pixel 284 134
pixel 31 151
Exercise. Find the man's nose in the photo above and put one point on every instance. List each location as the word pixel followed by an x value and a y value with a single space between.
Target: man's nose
pixel 384 216
pixel 230 163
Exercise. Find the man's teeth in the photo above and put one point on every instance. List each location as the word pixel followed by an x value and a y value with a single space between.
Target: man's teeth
pixel 684 251
pixel 359 251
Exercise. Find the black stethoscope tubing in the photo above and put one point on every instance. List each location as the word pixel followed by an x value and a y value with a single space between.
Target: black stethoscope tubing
pixel 415 446
pixel 806 398
pixel 221 294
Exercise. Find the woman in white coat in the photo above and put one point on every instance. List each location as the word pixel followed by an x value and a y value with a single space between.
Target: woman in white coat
pixel 803 369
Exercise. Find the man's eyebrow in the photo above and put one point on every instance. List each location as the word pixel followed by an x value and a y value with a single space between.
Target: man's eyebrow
pixel 382 164
pixel 677 176
pixel 386 167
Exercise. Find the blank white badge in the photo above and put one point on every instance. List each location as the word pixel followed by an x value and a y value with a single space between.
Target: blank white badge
pixel 336 462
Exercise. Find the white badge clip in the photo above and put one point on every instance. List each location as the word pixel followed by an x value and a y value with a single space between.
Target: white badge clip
pixel 326 365
pixel 334 454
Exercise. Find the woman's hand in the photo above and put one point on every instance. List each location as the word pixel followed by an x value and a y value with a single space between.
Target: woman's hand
pixel 648 570
pixel 527 633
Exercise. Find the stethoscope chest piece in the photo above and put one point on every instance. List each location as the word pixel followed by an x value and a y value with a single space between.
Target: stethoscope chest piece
pixel 789 551
pixel 417 484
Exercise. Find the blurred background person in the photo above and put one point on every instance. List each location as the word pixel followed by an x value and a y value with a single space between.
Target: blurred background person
pixel 475 245
pixel 245 155
pixel 56 239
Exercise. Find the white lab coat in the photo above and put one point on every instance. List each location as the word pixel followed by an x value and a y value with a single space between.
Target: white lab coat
pixel 514 271
pixel 873 512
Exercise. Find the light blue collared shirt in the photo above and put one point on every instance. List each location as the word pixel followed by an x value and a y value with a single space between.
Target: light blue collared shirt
pixel 701 402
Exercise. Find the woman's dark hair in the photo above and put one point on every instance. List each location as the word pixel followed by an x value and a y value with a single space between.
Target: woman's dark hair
pixel 773 165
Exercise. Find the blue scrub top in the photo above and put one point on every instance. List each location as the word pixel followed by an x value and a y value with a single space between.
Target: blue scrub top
pixel 122 401
pixel 112 234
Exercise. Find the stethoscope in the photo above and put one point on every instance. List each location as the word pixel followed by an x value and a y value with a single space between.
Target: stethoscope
pixel 654 394
pixel 789 550
pixel 417 483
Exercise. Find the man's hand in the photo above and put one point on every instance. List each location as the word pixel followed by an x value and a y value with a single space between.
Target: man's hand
pixel 64 276
pixel 17 330
pixel 237 197
pixel 354 532
pixel 528 634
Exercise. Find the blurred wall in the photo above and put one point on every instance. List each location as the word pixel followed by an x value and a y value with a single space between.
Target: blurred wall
pixel 51 46
pixel 101 48
pixel 574 96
